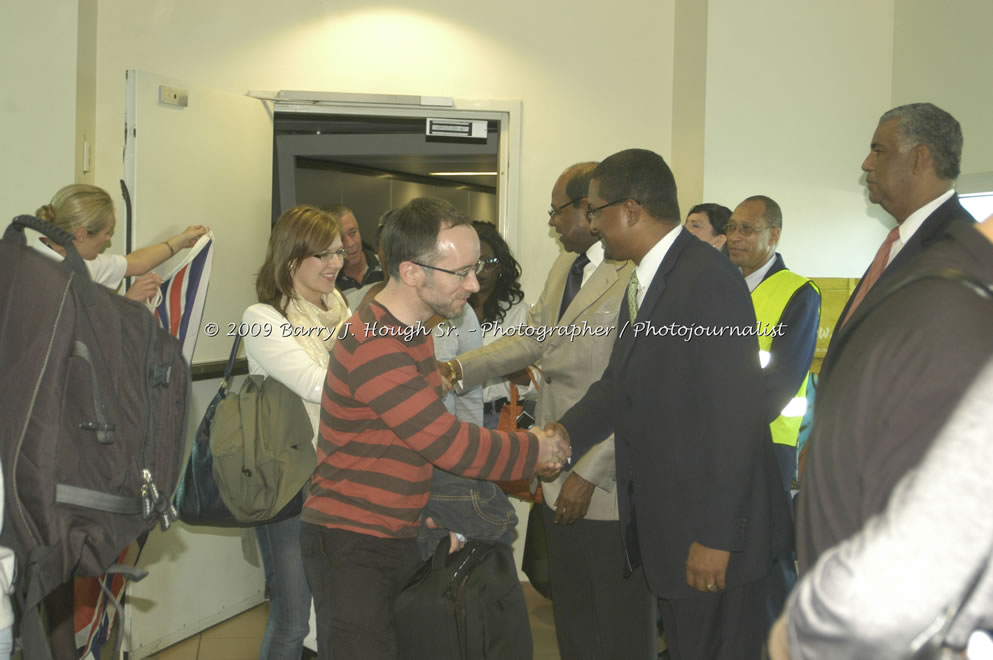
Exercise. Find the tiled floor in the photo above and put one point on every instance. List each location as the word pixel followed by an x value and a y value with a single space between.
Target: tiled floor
pixel 238 638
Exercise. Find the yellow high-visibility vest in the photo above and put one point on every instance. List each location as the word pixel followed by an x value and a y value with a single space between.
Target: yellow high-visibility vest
pixel 770 298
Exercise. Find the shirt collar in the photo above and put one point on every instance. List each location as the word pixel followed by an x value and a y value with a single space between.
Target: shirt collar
pixel 595 254
pixel 914 221
pixel 756 277
pixel 653 259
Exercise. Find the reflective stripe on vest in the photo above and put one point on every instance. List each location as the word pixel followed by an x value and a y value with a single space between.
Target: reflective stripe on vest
pixel 770 298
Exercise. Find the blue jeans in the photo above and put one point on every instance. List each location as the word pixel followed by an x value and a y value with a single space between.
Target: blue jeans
pixel 478 509
pixel 289 593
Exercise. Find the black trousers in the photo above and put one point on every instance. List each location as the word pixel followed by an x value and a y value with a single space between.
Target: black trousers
pixel 728 625
pixel 354 579
pixel 599 614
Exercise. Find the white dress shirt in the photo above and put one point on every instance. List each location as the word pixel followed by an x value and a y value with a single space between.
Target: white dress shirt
pixel 914 222
pixel 652 260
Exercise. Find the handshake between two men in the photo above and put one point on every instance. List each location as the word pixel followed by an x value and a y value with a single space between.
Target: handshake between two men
pixel 554 449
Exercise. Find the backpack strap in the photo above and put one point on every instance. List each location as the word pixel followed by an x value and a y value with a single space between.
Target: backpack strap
pixel 15 234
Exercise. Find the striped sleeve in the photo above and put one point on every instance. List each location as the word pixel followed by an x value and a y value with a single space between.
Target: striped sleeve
pixel 402 386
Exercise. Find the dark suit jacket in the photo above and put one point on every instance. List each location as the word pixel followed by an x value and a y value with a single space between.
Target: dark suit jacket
pixel 694 456
pixel 908 355
pixel 930 232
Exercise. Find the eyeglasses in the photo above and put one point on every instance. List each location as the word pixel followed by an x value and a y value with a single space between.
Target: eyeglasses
pixel 474 269
pixel 489 262
pixel 554 211
pixel 746 230
pixel 591 212
pixel 328 255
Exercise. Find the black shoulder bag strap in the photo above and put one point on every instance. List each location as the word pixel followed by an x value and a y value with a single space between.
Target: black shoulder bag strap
pixel 981 289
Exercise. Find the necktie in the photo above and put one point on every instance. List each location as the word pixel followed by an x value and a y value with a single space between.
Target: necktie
pixel 574 282
pixel 633 295
pixel 874 272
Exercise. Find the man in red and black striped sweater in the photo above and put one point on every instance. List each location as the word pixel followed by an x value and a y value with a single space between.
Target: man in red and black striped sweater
pixel 383 425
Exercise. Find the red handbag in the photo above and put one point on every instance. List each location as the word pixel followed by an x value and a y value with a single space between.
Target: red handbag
pixel 519 488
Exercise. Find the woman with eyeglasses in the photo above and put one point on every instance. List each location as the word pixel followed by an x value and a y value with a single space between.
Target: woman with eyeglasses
pixel 299 316
pixel 499 305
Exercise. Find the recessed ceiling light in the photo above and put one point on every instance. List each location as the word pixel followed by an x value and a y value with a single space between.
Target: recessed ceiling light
pixel 463 173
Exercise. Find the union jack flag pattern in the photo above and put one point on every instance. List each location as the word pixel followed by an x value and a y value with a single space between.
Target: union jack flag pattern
pixel 184 292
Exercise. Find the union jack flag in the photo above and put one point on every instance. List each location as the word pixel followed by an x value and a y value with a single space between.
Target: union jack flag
pixel 183 294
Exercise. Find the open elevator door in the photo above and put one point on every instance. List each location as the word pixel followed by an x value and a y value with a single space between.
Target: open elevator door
pixel 197 156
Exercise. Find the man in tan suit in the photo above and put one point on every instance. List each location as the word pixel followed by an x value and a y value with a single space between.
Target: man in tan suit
pixel 599 612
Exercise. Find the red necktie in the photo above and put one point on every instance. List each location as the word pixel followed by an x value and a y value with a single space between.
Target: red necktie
pixel 875 270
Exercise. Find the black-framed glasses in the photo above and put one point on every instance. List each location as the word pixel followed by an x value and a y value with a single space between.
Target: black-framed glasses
pixel 474 269
pixel 554 211
pixel 591 212
pixel 746 230
pixel 327 255
pixel 489 262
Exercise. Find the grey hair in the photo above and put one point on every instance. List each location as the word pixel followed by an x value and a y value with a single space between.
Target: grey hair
pixel 927 124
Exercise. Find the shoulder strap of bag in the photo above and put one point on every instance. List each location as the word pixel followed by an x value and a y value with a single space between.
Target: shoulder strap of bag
pixel 226 382
pixel 978 287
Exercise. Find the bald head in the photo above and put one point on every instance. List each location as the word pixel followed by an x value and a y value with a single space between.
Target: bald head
pixel 568 211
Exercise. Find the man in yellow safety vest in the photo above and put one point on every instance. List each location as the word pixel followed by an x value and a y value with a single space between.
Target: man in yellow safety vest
pixel 787 307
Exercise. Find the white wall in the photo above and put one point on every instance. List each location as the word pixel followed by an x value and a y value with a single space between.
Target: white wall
pixel 582 97
pixel 37 102
pixel 794 91
pixel 942 55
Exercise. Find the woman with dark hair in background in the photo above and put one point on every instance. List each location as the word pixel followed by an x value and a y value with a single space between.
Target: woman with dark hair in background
pixel 709 222
pixel 499 304
pixel 295 288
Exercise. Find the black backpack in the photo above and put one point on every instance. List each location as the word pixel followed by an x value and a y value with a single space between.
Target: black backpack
pixel 464 606
pixel 92 436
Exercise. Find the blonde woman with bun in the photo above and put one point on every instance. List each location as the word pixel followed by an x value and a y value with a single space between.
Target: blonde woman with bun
pixel 87 212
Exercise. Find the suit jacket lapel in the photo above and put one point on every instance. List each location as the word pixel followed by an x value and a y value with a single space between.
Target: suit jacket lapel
pixel 600 281
pixel 932 229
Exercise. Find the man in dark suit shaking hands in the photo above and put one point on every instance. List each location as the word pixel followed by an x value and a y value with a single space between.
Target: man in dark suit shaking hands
pixel 700 505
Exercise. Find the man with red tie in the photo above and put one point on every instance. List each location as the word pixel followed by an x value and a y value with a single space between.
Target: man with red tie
pixel 910 171
pixel 904 352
